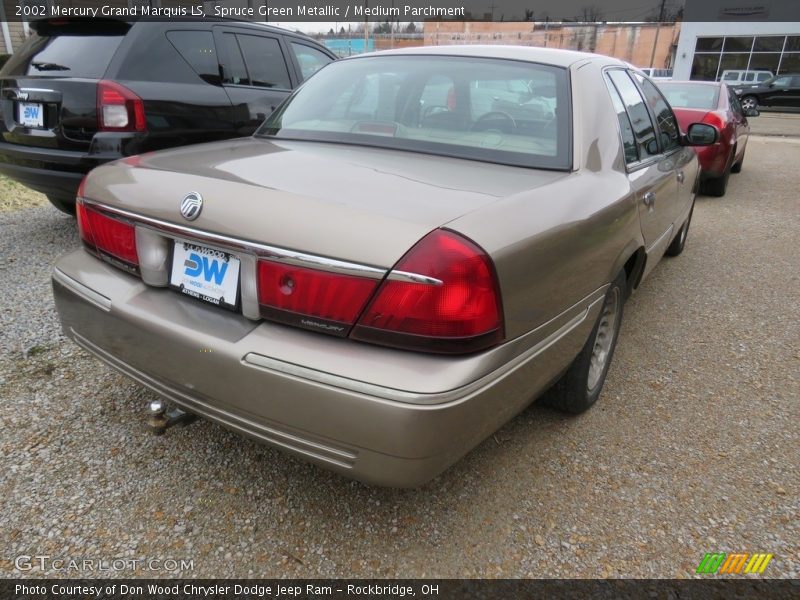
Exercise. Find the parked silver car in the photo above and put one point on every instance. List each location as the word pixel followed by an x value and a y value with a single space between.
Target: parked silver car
pixel 376 285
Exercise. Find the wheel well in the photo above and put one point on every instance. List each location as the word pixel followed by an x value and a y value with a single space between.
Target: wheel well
pixel 634 267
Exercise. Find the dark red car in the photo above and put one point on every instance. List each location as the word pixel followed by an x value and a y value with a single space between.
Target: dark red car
pixel 717 105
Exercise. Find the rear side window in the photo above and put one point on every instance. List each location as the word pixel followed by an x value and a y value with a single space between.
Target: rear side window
pixel 265 63
pixel 628 139
pixel 310 59
pixel 637 112
pixel 65 56
pixel 197 48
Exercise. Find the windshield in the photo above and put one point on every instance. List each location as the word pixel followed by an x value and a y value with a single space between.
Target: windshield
pixel 493 110
pixel 691 95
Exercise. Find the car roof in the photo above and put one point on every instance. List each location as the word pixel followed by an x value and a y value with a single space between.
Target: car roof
pixel 551 56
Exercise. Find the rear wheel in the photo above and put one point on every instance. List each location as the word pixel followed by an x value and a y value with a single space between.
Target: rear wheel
pixel 579 388
pixel 62 204
pixel 718 185
pixel 749 102
pixel 737 166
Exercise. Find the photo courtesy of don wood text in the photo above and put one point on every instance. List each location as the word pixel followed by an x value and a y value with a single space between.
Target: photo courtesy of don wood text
pixel 195 590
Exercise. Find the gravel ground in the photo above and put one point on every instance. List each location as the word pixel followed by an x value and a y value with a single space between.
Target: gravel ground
pixel 693 447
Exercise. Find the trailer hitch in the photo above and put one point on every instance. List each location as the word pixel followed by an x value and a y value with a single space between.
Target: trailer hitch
pixel 162 419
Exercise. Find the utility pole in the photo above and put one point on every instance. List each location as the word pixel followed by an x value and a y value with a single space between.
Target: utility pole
pixel 658 30
pixel 366 28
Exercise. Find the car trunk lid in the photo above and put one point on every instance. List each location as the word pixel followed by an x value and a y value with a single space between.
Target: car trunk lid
pixel 351 203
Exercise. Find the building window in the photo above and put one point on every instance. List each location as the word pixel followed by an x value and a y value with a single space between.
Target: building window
pixel 774 53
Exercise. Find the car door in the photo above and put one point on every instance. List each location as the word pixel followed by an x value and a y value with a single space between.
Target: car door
pixel 651 172
pixel 683 159
pixel 778 92
pixel 792 94
pixel 255 73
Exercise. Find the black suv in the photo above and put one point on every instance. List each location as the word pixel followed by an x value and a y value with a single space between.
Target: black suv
pixel 781 90
pixel 83 92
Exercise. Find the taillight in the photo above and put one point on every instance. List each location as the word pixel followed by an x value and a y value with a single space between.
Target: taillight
pixel 118 108
pixel 712 118
pixel 110 237
pixel 317 300
pixel 455 309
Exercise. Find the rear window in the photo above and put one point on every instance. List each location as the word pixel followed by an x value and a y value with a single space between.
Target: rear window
pixel 493 110
pixel 64 55
pixel 691 95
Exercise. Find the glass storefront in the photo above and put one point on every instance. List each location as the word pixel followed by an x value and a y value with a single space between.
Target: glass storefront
pixel 775 53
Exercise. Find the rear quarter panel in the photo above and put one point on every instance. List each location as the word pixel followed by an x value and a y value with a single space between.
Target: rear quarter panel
pixel 554 246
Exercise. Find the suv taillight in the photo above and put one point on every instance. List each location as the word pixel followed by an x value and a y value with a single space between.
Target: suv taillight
pixel 107 236
pixel 317 300
pixel 457 311
pixel 118 108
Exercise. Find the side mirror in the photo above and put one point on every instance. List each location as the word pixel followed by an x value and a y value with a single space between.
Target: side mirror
pixel 701 134
pixel 751 112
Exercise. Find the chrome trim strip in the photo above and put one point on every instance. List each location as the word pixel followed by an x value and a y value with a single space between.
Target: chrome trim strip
pixel 282 255
pixel 413 277
pixel 422 400
pixel 660 240
pixel 81 290
pixel 340 457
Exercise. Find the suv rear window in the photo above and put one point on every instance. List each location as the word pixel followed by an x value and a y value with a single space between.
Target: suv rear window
pixel 69 55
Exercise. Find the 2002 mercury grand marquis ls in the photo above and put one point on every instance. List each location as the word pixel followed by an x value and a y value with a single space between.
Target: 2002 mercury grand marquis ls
pixel 416 245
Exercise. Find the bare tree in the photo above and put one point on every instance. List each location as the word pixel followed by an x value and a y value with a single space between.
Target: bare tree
pixel 590 14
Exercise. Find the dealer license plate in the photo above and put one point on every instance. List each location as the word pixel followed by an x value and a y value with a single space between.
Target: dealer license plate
pixel 205 273
pixel 31 114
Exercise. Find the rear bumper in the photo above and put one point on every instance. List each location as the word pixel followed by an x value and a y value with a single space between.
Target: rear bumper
pixel 234 371
pixel 58 173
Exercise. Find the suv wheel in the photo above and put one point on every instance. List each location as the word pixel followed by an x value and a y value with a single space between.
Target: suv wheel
pixel 749 102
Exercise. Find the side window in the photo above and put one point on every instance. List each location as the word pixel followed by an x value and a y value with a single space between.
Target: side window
pixel 265 62
pixel 782 82
pixel 309 59
pixel 749 76
pixel 637 112
pixel 666 123
pixel 197 48
pixel 628 139
pixel 234 70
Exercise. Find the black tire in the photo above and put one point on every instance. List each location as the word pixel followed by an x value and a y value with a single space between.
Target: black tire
pixel 580 386
pixel 737 166
pixel 679 242
pixel 65 206
pixel 749 102
pixel 718 185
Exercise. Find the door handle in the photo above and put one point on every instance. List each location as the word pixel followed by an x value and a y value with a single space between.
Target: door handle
pixel 681 177
pixel 649 199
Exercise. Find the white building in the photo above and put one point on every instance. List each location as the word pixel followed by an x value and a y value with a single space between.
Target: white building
pixel 718 35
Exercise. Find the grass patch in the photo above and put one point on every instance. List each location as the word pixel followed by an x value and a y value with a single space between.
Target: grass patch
pixel 15 196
